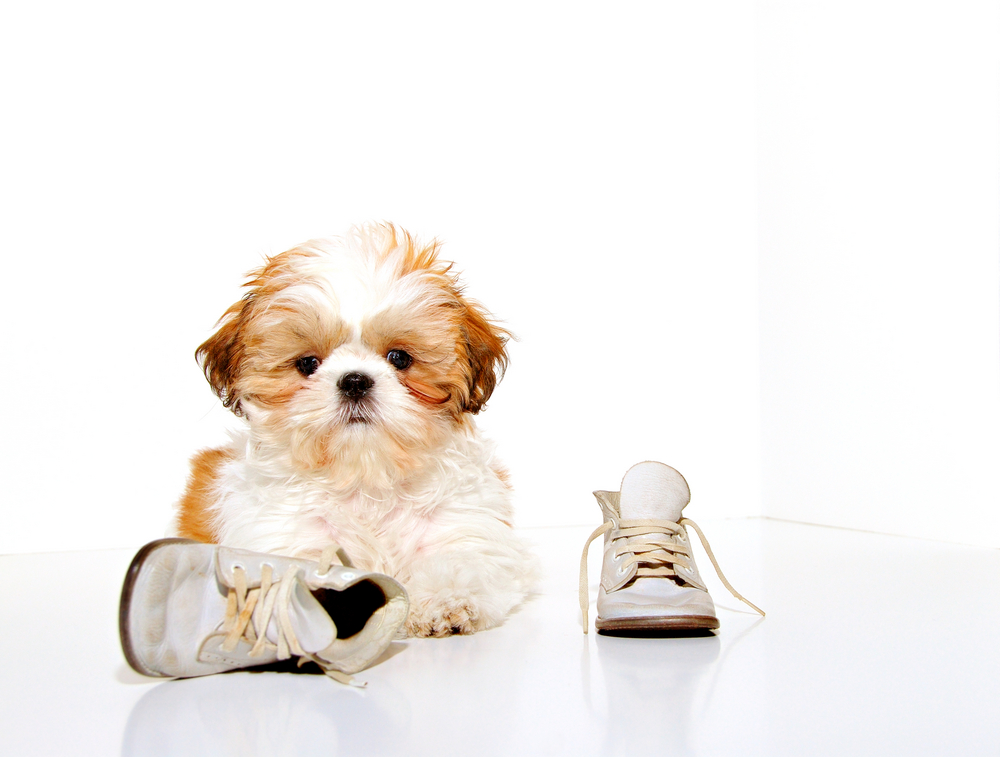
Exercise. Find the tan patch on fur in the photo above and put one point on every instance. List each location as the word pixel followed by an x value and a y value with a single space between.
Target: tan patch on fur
pixel 274 340
pixel 426 393
pixel 485 354
pixel 503 474
pixel 194 518
pixel 458 351
pixel 224 356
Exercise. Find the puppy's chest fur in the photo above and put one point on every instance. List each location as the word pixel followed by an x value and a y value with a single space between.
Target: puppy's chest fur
pixel 256 501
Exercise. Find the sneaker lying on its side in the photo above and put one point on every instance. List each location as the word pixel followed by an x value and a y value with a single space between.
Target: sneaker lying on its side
pixel 192 609
pixel 649 580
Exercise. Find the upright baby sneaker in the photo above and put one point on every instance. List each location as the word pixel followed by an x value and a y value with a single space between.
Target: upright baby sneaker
pixel 649 578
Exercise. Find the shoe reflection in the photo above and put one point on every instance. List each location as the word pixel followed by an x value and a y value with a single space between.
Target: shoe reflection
pixel 248 713
pixel 656 690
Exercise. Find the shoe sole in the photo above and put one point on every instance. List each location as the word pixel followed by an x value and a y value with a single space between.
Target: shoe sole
pixel 681 623
pixel 125 605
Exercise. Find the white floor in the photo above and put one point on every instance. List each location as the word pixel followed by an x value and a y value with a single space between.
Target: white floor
pixel 872 645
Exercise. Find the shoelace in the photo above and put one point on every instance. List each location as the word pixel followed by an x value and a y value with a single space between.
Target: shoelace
pixel 653 555
pixel 242 623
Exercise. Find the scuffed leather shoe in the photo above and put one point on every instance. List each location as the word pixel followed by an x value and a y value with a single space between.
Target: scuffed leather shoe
pixel 649 579
pixel 192 609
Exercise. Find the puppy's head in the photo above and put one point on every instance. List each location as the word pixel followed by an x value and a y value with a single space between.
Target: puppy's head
pixel 356 356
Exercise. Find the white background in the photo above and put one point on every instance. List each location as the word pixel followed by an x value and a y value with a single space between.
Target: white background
pixel 879 218
pixel 756 241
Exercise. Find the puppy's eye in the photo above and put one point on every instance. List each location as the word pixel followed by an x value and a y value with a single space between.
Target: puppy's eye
pixel 307 365
pixel 399 359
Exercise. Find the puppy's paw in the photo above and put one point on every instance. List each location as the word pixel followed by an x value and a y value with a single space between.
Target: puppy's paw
pixel 444 616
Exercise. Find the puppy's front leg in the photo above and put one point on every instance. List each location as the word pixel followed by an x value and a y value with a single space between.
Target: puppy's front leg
pixel 469 581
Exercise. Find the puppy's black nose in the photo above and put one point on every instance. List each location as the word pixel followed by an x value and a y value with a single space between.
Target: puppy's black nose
pixel 354 386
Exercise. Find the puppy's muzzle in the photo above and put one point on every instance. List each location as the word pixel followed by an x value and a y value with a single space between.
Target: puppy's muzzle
pixel 355 386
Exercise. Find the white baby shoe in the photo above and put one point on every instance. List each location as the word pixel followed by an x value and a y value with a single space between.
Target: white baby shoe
pixel 649 580
pixel 192 609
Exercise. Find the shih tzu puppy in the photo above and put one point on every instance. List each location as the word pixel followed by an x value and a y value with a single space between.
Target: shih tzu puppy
pixel 358 364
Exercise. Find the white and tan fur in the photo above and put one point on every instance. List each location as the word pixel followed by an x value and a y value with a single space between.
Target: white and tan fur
pixel 398 476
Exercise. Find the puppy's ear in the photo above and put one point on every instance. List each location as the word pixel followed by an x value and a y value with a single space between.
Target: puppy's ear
pixel 221 355
pixel 486 355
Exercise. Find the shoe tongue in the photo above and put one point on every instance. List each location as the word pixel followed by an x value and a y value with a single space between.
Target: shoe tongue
pixel 653 490
pixel 310 622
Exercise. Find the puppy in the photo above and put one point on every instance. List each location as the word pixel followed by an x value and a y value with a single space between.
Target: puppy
pixel 358 364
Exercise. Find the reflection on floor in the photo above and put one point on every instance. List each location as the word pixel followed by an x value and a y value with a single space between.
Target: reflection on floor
pixel 872 645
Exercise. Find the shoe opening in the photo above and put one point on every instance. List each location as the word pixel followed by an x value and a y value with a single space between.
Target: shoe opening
pixel 351 608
